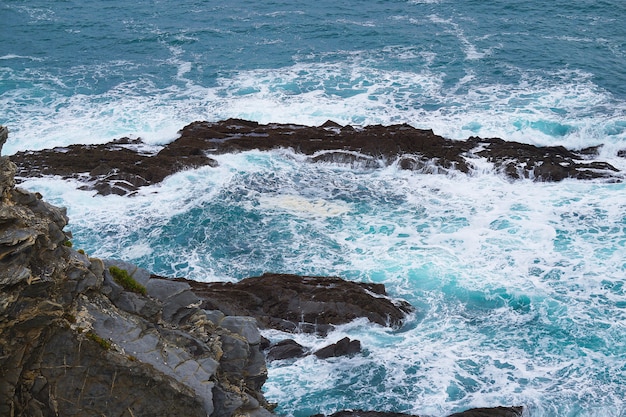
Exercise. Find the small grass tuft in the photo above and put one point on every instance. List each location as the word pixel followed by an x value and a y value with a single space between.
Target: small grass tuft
pixel 104 344
pixel 68 243
pixel 122 277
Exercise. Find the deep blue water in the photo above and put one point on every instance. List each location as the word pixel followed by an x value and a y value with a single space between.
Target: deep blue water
pixel 520 286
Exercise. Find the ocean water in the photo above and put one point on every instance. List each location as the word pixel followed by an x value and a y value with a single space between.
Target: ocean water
pixel 520 287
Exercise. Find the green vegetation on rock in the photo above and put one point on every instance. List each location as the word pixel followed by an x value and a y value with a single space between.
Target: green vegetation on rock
pixel 122 277
pixel 105 344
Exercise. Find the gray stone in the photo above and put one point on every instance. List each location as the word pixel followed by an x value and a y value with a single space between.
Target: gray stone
pixel 343 347
pixel 235 354
pixel 285 349
pixel 4 135
pixel 139 274
pixel 214 316
pixel 162 289
pixel 244 326
pixel 179 302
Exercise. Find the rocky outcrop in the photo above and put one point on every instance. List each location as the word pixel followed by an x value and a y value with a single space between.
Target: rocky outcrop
pixel 285 349
pixel 290 349
pixel 294 303
pixel 491 412
pixel 343 347
pixel 123 166
pixel 76 342
pixel 475 412
pixel 119 167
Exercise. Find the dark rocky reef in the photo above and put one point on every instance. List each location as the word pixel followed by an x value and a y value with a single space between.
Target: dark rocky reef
pixel 293 303
pixel 476 412
pixel 122 166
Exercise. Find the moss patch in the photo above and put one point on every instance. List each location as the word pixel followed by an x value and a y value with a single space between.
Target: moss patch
pixel 104 344
pixel 122 277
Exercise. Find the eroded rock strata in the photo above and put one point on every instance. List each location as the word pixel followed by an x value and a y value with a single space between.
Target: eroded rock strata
pixel 123 166
pixel 74 342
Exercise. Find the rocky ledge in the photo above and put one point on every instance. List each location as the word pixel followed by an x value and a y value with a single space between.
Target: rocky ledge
pixel 475 412
pixel 81 336
pixel 293 303
pixel 124 165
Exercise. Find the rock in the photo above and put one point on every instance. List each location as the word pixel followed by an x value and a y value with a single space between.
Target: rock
pixel 475 412
pixel 491 412
pixel 74 342
pixel 296 303
pixel 361 413
pixel 7 168
pixel 343 347
pixel 285 349
pixel 123 166
pixel 4 135
pixel 119 167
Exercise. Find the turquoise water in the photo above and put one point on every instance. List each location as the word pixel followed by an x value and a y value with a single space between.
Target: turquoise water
pixel 519 286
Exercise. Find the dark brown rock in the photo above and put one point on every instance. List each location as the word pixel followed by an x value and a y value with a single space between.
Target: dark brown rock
pixel 121 167
pixel 285 349
pixel 474 412
pixel 361 413
pixel 343 347
pixel 296 303
pixel 118 167
pixel 491 412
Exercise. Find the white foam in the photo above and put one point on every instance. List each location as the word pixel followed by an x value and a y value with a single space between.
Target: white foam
pixel 562 108
pixel 14 56
pixel 518 285
pixel 303 206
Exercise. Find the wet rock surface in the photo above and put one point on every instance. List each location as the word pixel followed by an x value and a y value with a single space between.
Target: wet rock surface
pixel 294 303
pixel 491 412
pixel 123 166
pixel 285 349
pixel 343 347
pixel 475 412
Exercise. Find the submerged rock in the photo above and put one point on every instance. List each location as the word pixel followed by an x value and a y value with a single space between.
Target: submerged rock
pixel 123 166
pixel 294 303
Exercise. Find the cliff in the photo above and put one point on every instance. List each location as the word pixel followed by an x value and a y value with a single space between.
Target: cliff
pixel 74 342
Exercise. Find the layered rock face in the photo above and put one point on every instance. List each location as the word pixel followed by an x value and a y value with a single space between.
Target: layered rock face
pixel 123 166
pixel 74 342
